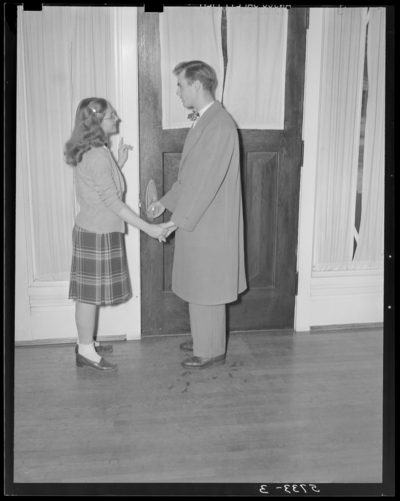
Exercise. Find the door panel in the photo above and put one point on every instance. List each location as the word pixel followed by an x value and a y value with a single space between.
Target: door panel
pixel 259 177
pixel 270 167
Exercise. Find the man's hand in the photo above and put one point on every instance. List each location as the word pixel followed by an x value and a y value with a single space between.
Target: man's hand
pixel 170 226
pixel 156 231
pixel 155 209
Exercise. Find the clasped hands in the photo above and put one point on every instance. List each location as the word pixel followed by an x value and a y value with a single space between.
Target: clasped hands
pixel 160 231
pixel 155 210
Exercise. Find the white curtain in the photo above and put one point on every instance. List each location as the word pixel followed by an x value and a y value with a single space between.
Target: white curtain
pixel 64 55
pixel 93 60
pixel 186 34
pixel 254 93
pixel 339 136
pixel 369 253
pixel 44 111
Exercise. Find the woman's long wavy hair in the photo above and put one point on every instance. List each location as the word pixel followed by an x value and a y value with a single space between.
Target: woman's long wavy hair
pixel 87 132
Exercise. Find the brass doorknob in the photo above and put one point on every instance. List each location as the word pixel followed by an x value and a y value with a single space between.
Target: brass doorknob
pixel 151 196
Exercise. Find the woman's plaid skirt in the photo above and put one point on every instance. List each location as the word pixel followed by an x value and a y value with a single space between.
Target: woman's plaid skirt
pixel 99 274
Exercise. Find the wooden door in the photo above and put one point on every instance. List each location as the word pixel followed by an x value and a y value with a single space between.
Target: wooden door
pixel 270 163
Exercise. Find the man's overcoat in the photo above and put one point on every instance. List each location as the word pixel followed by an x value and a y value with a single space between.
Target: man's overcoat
pixel 206 204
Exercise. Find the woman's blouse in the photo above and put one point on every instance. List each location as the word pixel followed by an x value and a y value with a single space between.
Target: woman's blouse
pixel 99 190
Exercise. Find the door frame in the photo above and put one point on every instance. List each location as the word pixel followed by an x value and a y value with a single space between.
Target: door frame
pixel 298 24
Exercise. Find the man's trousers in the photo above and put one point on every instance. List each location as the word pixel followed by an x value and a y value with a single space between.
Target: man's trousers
pixel 208 326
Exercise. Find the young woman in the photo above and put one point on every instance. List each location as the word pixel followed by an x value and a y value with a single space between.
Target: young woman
pixel 99 274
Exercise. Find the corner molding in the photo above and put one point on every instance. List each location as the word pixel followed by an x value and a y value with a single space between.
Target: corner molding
pixel 49 296
pixel 352 297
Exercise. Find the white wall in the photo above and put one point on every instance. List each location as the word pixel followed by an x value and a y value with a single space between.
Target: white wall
pixel 128 77
pixel 43 311
pixel 23 330
pixel 326 298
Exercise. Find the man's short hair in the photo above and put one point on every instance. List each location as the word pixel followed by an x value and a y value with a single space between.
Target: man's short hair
pixel 197 70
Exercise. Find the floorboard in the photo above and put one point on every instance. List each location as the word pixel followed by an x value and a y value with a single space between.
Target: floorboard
pixel 285 407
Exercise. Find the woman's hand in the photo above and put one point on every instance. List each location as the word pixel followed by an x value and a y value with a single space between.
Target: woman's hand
pixel 156 231
pixel 123 151
pixel 170 227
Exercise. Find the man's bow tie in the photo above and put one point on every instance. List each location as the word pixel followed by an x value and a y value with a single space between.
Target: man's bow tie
pixel 194 115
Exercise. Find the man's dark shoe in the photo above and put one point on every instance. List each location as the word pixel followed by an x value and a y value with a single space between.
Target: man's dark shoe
pixel 202 363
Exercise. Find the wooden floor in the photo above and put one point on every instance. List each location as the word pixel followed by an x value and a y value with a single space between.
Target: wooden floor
pixel 286 407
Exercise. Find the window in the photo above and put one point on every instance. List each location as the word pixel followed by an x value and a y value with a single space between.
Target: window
pixel 357 220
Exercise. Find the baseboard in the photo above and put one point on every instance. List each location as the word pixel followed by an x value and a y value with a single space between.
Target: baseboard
pixel 370 326
pixel 267 331
pixel 66 341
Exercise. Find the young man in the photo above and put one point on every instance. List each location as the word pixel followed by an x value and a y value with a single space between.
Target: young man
pixel 206 206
